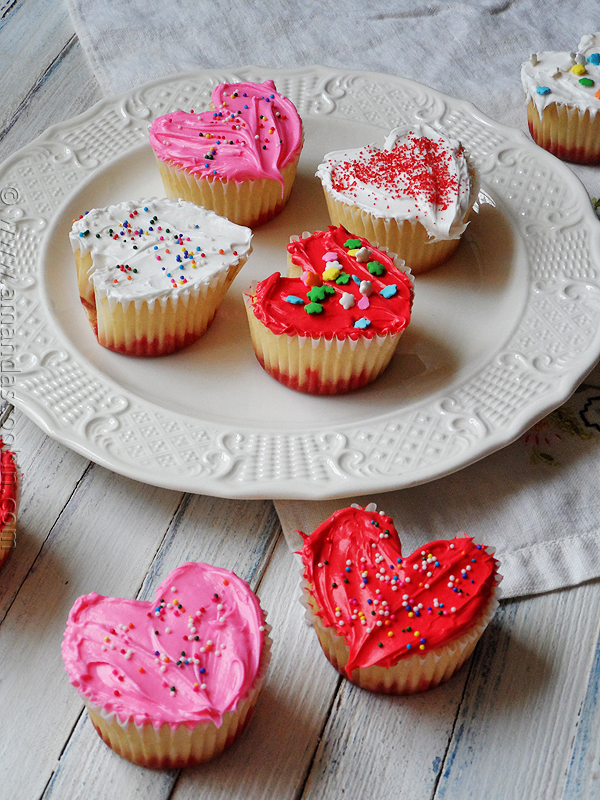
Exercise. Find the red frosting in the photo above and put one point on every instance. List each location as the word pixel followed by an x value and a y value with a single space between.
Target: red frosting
pixel 310 306
pixel 8 487
pixel 388 607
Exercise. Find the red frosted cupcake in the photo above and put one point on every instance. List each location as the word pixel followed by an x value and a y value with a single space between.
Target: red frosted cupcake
pixel 333 324
pixel 391 623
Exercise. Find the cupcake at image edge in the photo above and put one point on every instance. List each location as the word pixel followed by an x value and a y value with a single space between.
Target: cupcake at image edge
pixel 153 273
pixel 413 197
pixel 333 324
pixel 389 623
pixel 239 158
pixel 9 500
pixel 563 100
pixel 171 682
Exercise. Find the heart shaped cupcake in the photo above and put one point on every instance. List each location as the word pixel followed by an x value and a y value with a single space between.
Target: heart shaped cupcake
pixel 170 682
pixel 239 158
pixel 388 622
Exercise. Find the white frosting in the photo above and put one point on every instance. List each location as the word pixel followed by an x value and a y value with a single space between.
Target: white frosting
pixel 140 242
pixel 553 71
pixel 391 192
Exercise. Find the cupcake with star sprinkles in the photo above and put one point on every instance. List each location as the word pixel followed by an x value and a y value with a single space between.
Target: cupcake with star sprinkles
pixel 563 100
pixel 238 159
pixel 414 196
pixel 171 682
pixel 153 273
pixel 392 623
pixel 9 492
pixel 333 324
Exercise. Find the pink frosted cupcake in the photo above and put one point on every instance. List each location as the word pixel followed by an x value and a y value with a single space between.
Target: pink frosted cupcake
pixel 390 623
pixel 238 159
pixel 173 682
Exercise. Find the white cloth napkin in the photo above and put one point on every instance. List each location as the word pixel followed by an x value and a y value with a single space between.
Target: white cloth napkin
pixel 537 500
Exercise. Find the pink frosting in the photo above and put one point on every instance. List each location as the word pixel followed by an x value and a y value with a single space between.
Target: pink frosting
pixel 251 132
pixel 188 657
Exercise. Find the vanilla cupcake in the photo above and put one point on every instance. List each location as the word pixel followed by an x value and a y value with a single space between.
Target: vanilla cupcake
pixel 563 100
pixel 414 196
pixel 9 485
pixel 334 323
pixel 390 623
pixel 238 159
pixel 152 274
pixel 171 682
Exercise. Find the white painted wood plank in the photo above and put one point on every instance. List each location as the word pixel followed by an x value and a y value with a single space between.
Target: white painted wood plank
pixel 238 535
pixel 50 474
pixel 583 779
pixel 105 540
pixel 273 756
pixel 52 85
pixel 378 746
pixel 519 715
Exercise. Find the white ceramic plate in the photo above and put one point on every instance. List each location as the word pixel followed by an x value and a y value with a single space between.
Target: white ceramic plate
pixel 500 335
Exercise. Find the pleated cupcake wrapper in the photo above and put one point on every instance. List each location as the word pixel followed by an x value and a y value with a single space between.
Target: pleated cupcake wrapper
pixel 248 203
pixel 416 673
pixel 165 324
pixel 566 132
pixel 170 746
pixel 319 365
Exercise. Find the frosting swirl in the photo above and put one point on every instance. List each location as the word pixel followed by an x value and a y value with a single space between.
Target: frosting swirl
pixel 188 657
pixel 388 607
pixel 251 132
pixel 420 175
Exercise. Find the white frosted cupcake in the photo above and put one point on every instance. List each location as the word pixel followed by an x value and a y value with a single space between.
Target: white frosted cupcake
pixel 153 273
pixel 413 197
pixel 563 100
pixel 171 682
pixel 390 623
pixel 239 158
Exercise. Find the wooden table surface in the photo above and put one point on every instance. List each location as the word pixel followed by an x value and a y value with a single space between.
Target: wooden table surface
pixel 521 719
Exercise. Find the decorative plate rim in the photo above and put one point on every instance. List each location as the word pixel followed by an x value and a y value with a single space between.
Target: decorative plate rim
pixel 234 461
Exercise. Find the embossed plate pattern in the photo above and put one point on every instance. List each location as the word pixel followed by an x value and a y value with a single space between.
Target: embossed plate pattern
pixel 500 335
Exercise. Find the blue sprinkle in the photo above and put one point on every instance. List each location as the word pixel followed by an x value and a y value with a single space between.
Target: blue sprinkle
pixel 202 670
pixel 389 291
pixel 356 280
pixel 594 59
pixel 370 602
pixel 347 569
pixel 296 301
pixel 362 323
pixel 409 646
pixel 543 90
pixel 145 208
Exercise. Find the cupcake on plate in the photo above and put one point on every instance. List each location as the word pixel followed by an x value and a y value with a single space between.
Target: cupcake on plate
pixel 391 623
pixel 8 501
pixel 170 682
pixel 563 100
pixel 153 273
pixel 334 323
pixel 238 159
pixel 414 196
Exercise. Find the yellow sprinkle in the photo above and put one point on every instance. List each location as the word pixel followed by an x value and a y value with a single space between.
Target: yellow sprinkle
pixel 353 252
pixel 417 633
pixel 421 647
pixel 106 639
pixel 390 633
pixel 578 69
pixel 331 274
pixel 410 614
